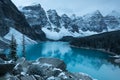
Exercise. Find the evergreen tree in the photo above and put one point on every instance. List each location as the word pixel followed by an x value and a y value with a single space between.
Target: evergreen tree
pixel 23 44
pixel 13 49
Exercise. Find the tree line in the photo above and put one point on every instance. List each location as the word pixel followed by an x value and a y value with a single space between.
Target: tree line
pixel 109 41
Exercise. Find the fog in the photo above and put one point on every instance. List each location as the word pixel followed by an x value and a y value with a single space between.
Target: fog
pixel 79 7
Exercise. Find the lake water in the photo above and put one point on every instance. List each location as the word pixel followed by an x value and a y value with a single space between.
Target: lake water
pixel 95 63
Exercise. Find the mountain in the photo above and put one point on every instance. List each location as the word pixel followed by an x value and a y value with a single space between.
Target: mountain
pixel 18 37
pixel 115 14
pixel 108 41
pixel 56 27
pixel 35 15
pixel 3 44
pixel 95 22
pixel 50 22
pixel 11 17
pixel 113 20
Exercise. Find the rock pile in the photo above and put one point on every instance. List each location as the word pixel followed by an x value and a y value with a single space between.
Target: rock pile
pixel 41 69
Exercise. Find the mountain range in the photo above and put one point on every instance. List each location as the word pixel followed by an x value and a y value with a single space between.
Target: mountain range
pixel 55 26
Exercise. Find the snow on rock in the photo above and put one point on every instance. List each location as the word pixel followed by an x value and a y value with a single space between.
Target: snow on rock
pixel 48 65
pixel 4 40
pixel 114 13
pixel 51 78
pixel 42 71
pixel 62 74
pixel 52 34
pixel 56 69
pixel 18 36
pixel 23 73
pixel 116 56
pixel 117 60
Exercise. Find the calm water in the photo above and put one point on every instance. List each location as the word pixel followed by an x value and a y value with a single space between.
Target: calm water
pixel 95 63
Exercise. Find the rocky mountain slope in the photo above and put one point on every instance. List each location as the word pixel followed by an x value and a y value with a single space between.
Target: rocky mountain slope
pixel 10 16
pixel 56 26
pixel 12 19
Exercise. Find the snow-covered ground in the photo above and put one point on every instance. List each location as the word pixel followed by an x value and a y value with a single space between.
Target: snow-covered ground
pixel 18 36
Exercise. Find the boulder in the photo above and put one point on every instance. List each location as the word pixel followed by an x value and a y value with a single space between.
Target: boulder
pixel 27 77
pixel 5 68
pixel 57 63
pixel 83 76
pixel 53 78
pixel 17 69
pixel 117 60
pixel 73 76
pixel 2 61
pixel 38 77
pixel 21 60
pixel 13 78
pixel 3 56
pixel 42 70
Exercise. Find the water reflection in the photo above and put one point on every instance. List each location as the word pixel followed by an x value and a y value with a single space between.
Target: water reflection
pixel 56 49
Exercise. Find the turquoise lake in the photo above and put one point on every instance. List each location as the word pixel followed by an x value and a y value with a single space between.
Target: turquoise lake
pixel 94 63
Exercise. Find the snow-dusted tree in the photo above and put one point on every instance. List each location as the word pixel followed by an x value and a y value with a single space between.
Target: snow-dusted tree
pixel 13 49
pixel 23 45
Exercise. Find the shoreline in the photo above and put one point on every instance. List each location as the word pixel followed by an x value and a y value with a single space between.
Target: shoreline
pixel 101 50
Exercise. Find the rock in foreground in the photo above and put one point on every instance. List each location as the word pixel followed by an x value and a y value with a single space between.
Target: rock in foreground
pixel 42 69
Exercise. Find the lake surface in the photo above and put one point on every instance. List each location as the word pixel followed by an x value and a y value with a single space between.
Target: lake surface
pixel 95 63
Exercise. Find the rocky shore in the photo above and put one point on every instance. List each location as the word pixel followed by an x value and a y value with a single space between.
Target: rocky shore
pixel 40 69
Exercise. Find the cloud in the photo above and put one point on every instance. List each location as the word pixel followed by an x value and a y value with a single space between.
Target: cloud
pixel 79 7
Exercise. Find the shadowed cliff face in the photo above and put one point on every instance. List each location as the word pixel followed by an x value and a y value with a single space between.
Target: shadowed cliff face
pixel 10 16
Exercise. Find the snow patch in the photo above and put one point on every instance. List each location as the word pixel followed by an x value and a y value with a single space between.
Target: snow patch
pixel 18 36
pixel 56 69
pixel 4 40
pixel 114 13
pixel 62 74
pixel 51 78
pixel 50 34
pixel 45 64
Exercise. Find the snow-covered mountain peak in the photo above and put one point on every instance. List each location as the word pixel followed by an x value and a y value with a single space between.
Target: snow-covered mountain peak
pixel 53 17
pixel 114 13
pixel 57 26
pixel 95 14
pixel 73 16
pixel 50 11
pixel 32 7
pixel 64 15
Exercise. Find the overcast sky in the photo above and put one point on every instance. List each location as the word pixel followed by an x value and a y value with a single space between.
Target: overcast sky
pixel 79 7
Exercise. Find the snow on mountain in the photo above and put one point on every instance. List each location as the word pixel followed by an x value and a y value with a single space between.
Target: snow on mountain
pixel 53 35
pixel 96 14
pixel 55 27
pixel 95 22
pixel 18 36
pixel 35 15
pixel 58 35
pixel 114 13
pixel 113 21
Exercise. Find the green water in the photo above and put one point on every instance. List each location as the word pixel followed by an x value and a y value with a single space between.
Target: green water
pixel 95 63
